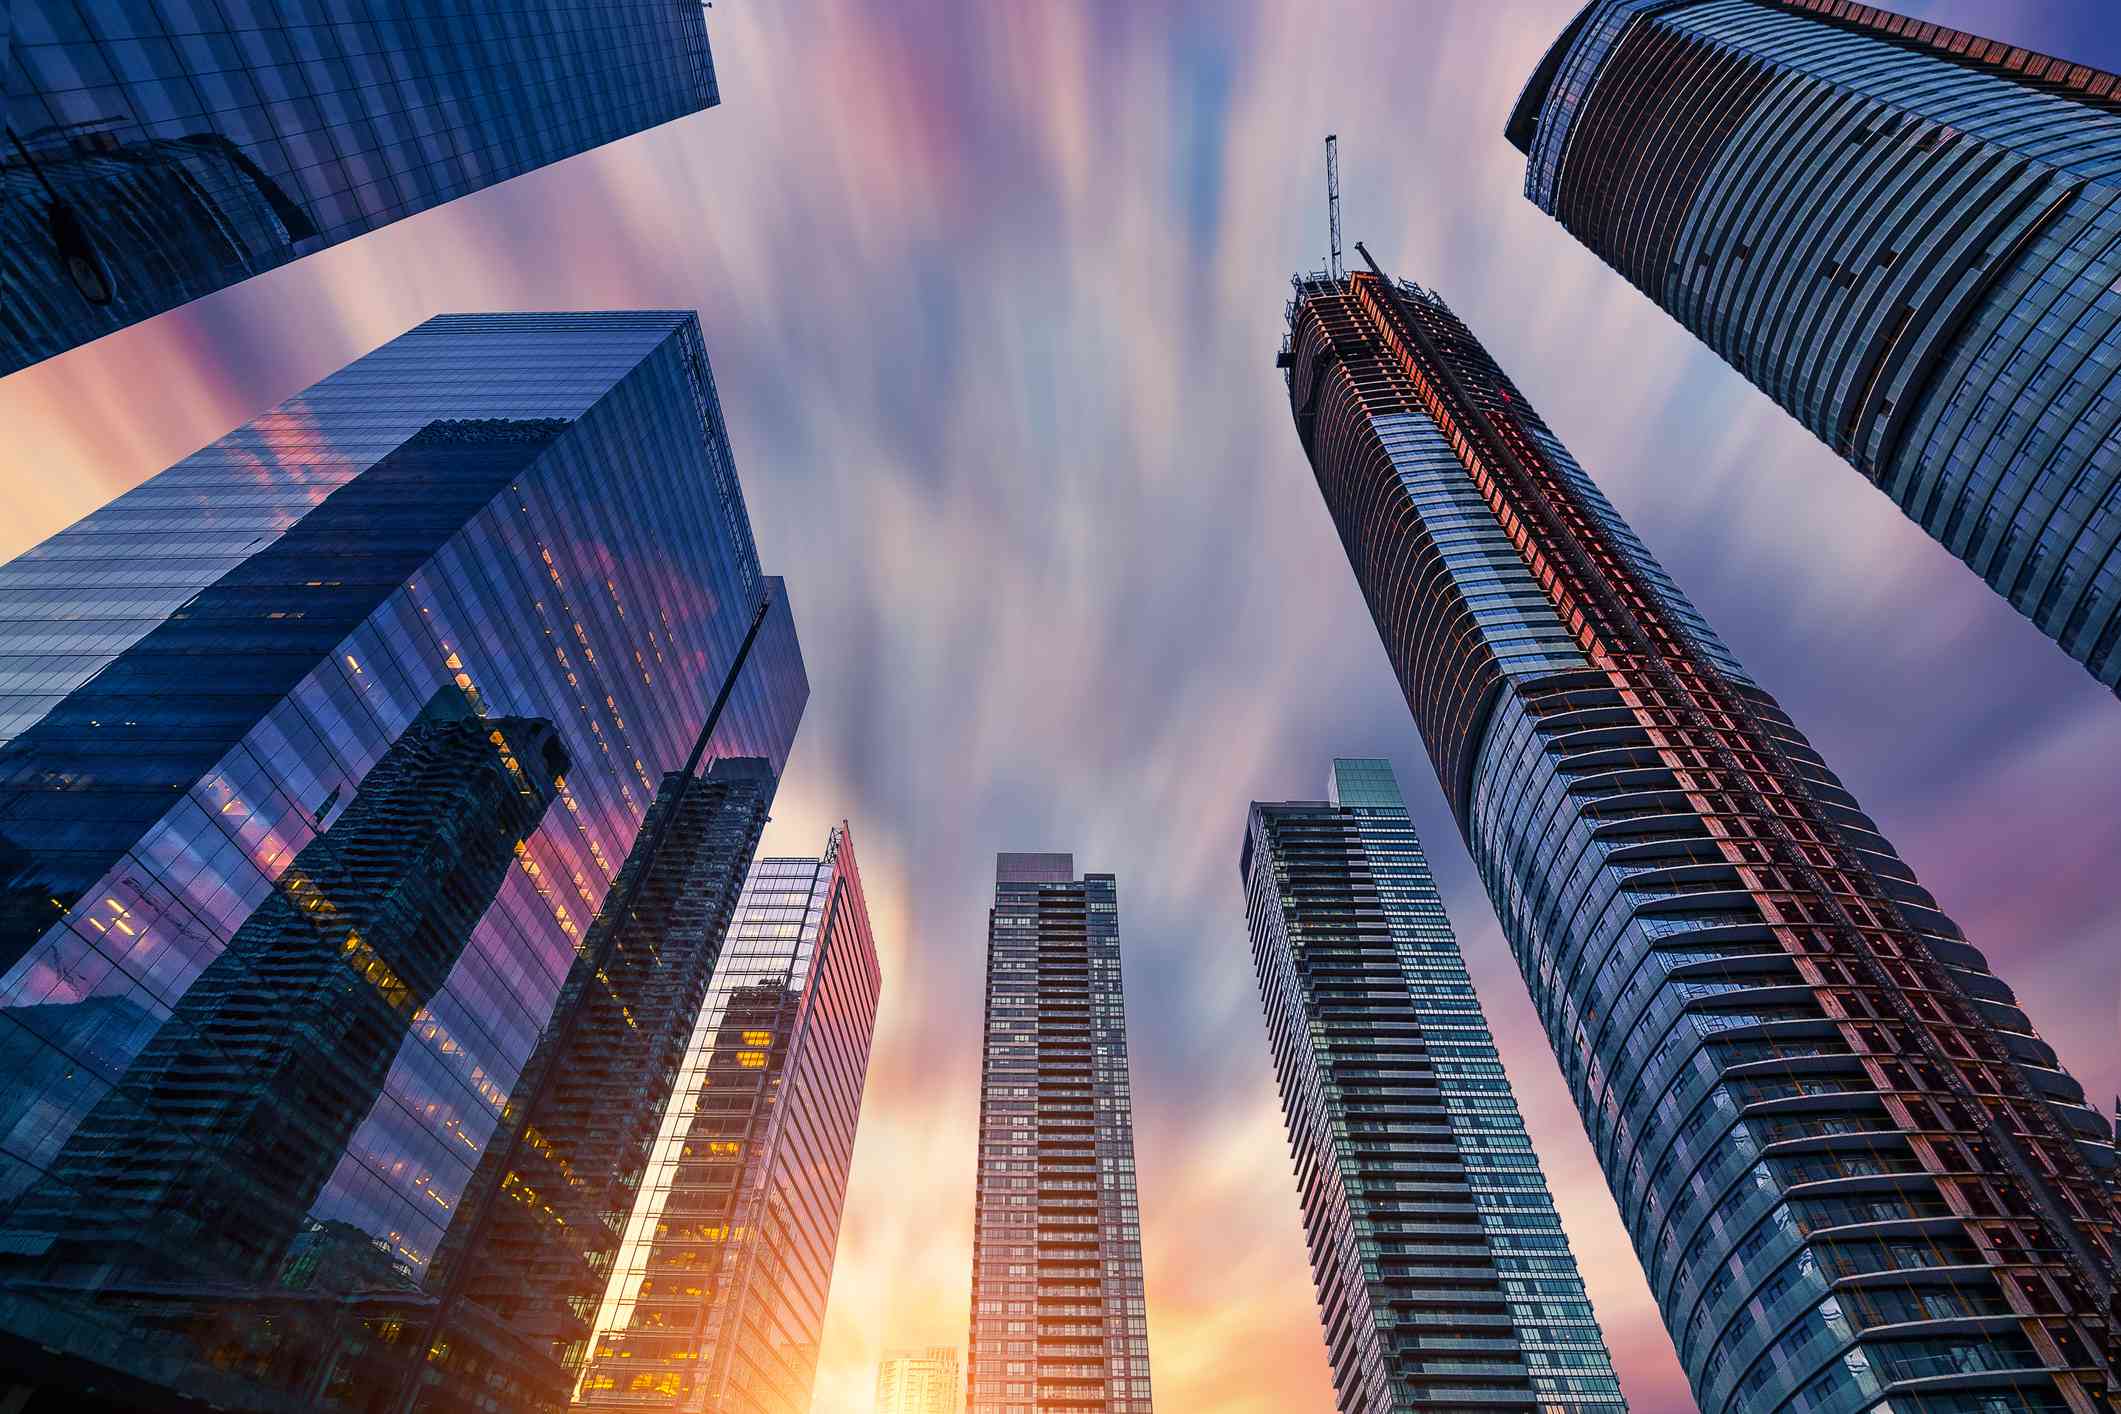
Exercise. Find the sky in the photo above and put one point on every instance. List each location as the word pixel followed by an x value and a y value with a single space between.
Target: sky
pixel 992 294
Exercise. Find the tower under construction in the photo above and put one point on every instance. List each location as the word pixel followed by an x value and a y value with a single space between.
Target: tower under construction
pixel 1854 1173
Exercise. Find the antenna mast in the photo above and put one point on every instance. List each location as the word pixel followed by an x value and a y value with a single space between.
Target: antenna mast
pixel 1333 265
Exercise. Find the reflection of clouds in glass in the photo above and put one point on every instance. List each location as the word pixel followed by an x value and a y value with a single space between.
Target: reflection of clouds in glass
pixel 391 1152
pixel 325 978
pixel 749 1170
pixel 1009 422
pixel 146 172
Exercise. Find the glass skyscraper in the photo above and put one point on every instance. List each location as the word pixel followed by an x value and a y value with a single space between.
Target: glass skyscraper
pixel 1907 236
pixel 157 153
pixel 1855 1176
pixel 1059 1323
pixel 718 1300
pixel 1444 1278
pixel 919 1382
pixel 591 1097
pixel 323 752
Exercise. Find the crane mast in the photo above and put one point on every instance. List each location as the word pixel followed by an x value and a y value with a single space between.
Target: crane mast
pixel 1333 265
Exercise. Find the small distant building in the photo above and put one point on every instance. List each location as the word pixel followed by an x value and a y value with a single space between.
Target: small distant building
pixel 924 1381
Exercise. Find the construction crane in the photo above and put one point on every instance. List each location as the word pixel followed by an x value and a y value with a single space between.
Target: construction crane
pixel 1333 265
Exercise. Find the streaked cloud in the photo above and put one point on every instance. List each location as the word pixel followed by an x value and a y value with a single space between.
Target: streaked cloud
pixel 992 293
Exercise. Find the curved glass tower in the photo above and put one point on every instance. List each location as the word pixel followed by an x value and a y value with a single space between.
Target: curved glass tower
pixel 1907 236
pixel 1856 1177
pixel 1444 1278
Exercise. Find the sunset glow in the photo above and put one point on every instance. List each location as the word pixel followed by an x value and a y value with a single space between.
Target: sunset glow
pixel 992 294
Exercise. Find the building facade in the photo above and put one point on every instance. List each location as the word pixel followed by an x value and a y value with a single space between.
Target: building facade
pixel 157 154
pixel 1855 1176
pixel 1059 1323
pixel 1444 1278
pixel 921 1381
pixel 1907 236
pixel 593 1093
pixel 717 1303
pixel 324 750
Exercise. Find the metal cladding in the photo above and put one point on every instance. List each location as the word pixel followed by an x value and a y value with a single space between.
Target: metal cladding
pixel 1907 236
pixel 1059 1322
pixel 1444 1278
pixel 1852 1170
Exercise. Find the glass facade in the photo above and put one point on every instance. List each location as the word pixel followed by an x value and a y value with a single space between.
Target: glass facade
pixel 1907 236
pixel 1444 1278
pixel 591 1097
pixel 1855 1176
pixel 718 1300
pixel 1059 1322
pixel 161 149
pixel 322 752
pixel 919 1382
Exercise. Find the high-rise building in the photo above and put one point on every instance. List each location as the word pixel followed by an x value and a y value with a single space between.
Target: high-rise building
pixel 156 154
pixel 1059 1323
pixel 1444 1278
pixel 225 1127
pixel 320 755
pixel 593 1093
pixel 718 1299
pixel 1907 236
pixel 1854 1173
pixel 923 1381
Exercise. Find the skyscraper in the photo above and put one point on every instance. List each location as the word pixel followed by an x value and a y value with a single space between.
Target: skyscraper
pixel 157 154
pixel 1444 1278
pixel 320 754
pixel 1059 1323
pixel 221 1133
pixel 918 1382
pixel 1907 236
pixel 593 1093
pixel 718 1299
pixel 1852 1170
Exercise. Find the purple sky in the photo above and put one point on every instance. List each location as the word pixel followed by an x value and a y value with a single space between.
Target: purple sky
pixel 992 293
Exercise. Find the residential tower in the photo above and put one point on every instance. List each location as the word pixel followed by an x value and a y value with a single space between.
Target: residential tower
pixel 1059 1323
pixel 1908 236
pixel 1853 1172
pixel 1444 1278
